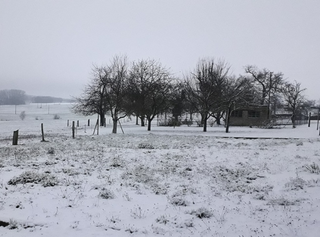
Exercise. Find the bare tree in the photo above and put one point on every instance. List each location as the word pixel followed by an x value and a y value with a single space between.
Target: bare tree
pixel 293 97
pixel 149 88
pixel 115 79
pixel 267 82
pixel 106 92
pixel 92 101
pixel 236 94
pixel 204 88
pixel 177 103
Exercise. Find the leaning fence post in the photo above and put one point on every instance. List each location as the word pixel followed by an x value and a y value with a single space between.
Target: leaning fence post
pixel 98 124
pixel 15 137
pixel 73 129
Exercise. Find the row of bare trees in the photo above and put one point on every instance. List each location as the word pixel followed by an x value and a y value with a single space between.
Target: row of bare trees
pixel 211 91
pixel 146 89
pixel 143 90
pixel 276 92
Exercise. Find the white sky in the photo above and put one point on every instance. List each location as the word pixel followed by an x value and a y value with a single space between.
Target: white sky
pixel 49 47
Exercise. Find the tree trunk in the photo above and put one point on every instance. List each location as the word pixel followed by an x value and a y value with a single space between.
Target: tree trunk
pixel 264 95
pixel 228 120
pixel 142 121
pixel 293 119
pixel 176 119
pixel 102 120
pixel 309 119
pixel 115 125
pixel 205 125
pixel 165 118
pixel 149 124
pixel 204 119
pixel 218 118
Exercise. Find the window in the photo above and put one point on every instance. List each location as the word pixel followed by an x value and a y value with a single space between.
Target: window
pixel 236 113
pixel 253 114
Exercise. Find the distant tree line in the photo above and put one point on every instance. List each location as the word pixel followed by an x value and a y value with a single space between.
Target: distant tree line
pixel 19 97
pixel 12 97
pixel 146 88
pixel 46 99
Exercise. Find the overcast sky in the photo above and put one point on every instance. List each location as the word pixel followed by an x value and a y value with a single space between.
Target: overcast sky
pixel 48 47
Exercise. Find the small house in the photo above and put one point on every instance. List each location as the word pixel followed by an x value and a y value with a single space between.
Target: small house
pixel 253 115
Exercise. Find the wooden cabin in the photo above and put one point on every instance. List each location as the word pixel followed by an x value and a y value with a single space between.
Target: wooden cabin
pixel 249 116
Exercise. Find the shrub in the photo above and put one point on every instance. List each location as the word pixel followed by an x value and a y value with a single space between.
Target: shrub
pixel 187 122
pixel 138 213
pixel 313 168
pixel 142 174
pixel 116 162
pixel 13 224
pixel 46 180
pixel 172 122
pixel 178 201
pixel 282 202
pixel 106 194
pixel 51 151
pixel 313 183
pixel 162 220
pixel 159 189
pixel 56 116
pixel 202 213
pixel 296 184
pixel 145 146
pixel 131 229
pixel 22 115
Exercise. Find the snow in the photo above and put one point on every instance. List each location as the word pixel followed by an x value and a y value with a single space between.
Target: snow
pixel 167 182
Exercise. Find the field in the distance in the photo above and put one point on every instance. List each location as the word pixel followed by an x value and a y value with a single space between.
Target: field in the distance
pixel 167 182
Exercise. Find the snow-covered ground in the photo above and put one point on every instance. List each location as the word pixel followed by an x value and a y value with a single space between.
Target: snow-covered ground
pixel 166 182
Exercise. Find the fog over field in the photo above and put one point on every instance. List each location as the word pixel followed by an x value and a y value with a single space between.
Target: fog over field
pixel 50 47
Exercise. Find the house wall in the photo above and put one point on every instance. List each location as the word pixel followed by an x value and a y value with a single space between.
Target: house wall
pixel 246 120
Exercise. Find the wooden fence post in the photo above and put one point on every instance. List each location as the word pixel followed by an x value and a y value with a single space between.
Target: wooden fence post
pixel 318 118
pixel 309 119
pixel 88 122
pixel 73 129
pixel 78 124
pixel 68 123
pixel 15 137
pixel 42 133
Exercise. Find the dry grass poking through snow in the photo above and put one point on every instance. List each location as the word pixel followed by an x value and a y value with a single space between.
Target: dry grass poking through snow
pixel 164 185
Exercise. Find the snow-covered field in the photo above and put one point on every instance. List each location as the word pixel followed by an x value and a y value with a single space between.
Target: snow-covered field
pixel 167 182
